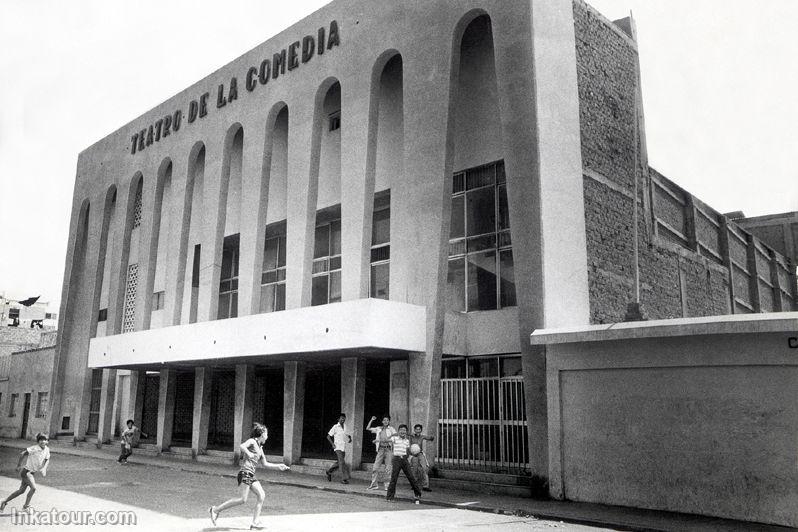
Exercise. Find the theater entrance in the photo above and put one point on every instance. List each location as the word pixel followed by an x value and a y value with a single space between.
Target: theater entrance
pixel 376 402
pixel 222 415
pixel 149 409
pixel 183 420
pixel 267 406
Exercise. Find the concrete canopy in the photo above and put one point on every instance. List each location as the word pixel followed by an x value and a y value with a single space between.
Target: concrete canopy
pixel 382 328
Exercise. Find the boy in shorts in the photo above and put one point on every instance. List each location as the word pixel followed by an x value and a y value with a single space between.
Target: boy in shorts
pixel 251 455
pixel 36 458
pixel 128 436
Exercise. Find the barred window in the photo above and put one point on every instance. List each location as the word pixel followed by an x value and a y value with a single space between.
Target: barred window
pixel 380 247
pixel 158 300
pixel 41 404
pixel 12 405
pixel 481 269
pixel 326 274
pixel 272 282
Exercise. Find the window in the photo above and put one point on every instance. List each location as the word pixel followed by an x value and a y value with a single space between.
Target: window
pixel 380 248
pixel 41 405
pixel 102 314
pixel 326 275
pixel 158 300
pixel 228 280
pixel 94 401
pixel 12 406
pixel 65 423
pixel 481 270
pixel 272 281
pixel 335 121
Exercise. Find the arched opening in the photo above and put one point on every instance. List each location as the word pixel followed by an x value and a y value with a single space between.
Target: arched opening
pixel 190 247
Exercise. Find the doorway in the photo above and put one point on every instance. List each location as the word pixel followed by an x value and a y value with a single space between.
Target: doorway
pixel 25 415
pixel 376 402
pixel 322 406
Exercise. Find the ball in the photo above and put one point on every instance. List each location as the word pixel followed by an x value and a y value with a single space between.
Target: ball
pixel 415 449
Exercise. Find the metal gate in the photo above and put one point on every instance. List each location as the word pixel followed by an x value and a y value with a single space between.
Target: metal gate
pixel 482 424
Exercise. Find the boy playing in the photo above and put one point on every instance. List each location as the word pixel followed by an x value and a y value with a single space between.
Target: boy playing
pixel 128 435
pixel 399 461
pixel 382 441
pixel 251 455
pixel 36 458
pixel 418 462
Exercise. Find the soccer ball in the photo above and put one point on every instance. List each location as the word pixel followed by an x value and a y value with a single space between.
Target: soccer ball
pixel 415 449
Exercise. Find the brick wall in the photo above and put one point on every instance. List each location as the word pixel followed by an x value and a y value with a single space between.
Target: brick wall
pixel 686 248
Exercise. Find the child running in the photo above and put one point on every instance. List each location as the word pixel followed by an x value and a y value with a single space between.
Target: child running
pixel 36 457
pixel 251 454
pixel 128 435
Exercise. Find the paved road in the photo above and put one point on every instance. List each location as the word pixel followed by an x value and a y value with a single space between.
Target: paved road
pixel 167 499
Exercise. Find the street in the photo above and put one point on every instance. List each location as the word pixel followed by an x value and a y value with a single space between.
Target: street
pixel 169 499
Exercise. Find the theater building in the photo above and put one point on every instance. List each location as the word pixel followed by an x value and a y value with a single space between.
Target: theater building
pixel 371 212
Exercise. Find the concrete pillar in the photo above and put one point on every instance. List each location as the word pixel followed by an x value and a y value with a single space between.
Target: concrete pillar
pixel 358 155
pixel 166 409
pixel 398 389
pixel 151 196
pixel 753 271
pixel 293 410
pixel 213 216
pixel 254 195
pixel 242 421
pixel 106 426
pixel 353 388
pixel 180 207
pixel 202 410
pixel 302 192
pixel 539 108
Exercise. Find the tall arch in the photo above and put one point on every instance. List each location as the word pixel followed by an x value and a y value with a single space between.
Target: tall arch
pixel 129 272
pixel 158 245
pixel 189 251
pixel 227 239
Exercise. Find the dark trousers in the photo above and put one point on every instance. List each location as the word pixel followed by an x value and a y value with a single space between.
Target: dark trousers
pixel 397 463
pixel 126 451
pixel 342 465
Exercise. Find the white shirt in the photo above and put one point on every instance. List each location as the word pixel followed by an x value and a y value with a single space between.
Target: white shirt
pixel 37 459
pixel 339 437
pixel 382 436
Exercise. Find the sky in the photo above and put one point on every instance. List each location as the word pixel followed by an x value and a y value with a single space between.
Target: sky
pixel 718 82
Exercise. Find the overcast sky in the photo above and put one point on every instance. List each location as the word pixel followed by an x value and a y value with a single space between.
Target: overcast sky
pixel 719 80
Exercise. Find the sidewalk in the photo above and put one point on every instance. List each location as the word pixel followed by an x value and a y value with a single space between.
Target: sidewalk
pixel 618 517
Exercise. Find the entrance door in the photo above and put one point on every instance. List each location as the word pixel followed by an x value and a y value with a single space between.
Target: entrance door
pixel 149 412
pixel 322 406
pixel 183 419
pixel 25 414
pixel 376 402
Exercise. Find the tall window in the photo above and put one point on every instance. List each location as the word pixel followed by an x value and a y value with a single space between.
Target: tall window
pixel 12 406
pixel 380 247
pixel 272 281
pixel 326 282
pixel 481 274
pixel 228 281
pixel 41 404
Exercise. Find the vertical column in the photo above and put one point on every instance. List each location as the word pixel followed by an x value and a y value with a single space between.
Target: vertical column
pixel 202 410
pixel 242 422
pixel 358 108
pixel 690 215
pixel 166 409
pixel 254 197
pixel 213 213
pixel 152 192
pixel 753 272
pixel 398 399
pixel 725 253
pixel 293 410
pixel 353 388
pixel 420 214
pixel 302 192
pixel 136 403
pixel 106 426
pixel 180 209
pixel 539 107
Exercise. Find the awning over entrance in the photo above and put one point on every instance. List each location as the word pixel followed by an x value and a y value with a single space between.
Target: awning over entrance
pixel 364 325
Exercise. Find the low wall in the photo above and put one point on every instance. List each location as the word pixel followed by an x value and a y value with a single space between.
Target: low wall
pixel 691 415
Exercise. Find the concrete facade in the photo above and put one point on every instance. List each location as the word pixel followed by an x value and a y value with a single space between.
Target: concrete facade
pixel 692 415
pixel 229 242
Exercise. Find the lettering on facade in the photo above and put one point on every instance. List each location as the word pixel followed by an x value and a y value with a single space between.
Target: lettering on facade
pixel 289 58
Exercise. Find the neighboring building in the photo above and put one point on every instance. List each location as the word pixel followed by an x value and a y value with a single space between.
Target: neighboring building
pixel 35 315
pixel 25 378
pixel 370 213
pixel 779 231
